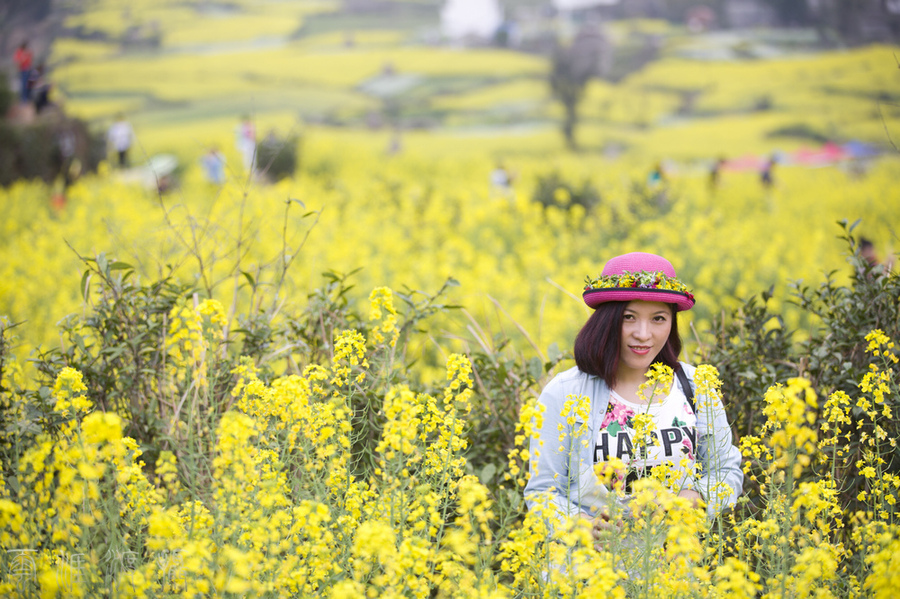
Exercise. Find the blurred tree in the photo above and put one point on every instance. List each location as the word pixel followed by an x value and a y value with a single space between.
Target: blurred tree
pixel 24 10
pixel 17 16
pixel 853 21
pixel 790 12
pixel 277 157
pixel 572 68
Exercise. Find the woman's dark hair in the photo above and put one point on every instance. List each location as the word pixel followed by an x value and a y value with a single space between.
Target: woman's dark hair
pixel 598 343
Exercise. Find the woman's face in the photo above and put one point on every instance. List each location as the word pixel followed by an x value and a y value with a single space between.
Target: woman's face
pixel 645 330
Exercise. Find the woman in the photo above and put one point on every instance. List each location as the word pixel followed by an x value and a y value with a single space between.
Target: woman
pixel 634 325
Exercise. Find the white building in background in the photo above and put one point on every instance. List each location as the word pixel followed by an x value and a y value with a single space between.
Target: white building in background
pixel 461 19
pixel 570 5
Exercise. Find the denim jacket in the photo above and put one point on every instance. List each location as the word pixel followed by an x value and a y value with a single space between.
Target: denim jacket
pixel 562 455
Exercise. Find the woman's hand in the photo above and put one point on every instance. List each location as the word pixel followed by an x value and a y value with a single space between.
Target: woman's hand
pixel 691 495
pixel 602 528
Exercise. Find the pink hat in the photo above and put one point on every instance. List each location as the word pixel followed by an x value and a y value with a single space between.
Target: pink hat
pixel 638 276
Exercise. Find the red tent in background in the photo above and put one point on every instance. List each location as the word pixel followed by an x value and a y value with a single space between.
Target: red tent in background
pixel 827 154
pixel 746 163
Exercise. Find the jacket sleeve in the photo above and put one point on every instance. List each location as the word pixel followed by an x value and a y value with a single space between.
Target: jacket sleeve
pixel 722 479
pixel 552 455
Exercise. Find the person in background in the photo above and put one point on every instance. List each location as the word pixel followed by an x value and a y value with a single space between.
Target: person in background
pixel 69 168
pixel 501 180
pixel 657 175
pixel 658 185
pixel 246 142
pixel 715 173
pixel 39 89
pixel 867 251
pixel 213 163
pixel 634 326
pixel 120 136
pixel 766 176
pixel 395 143
pixel 24 58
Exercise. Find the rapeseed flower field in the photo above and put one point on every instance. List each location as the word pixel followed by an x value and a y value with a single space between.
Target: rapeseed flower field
pixel 427 218
pixel 294 388
pixel 286 514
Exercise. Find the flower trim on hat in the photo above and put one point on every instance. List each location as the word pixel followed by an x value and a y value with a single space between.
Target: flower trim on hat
pixel 638 280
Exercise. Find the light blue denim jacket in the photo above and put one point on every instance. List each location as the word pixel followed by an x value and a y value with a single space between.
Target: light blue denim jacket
pixel 565 473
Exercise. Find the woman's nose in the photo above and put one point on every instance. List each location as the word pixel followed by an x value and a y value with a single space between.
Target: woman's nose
pixel 642 330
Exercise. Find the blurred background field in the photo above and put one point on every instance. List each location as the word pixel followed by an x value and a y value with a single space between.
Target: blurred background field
pixel 398 117
pixel 276 417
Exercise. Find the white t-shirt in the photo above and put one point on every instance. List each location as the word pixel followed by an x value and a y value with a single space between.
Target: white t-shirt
pixel 119 135
pixel 673 439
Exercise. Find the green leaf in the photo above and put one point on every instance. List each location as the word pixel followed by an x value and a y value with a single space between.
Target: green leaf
pixel 535 368
pixel 249 278
pixel 487 473
pixel 86 285
pixel 120 266
pixel 554 353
